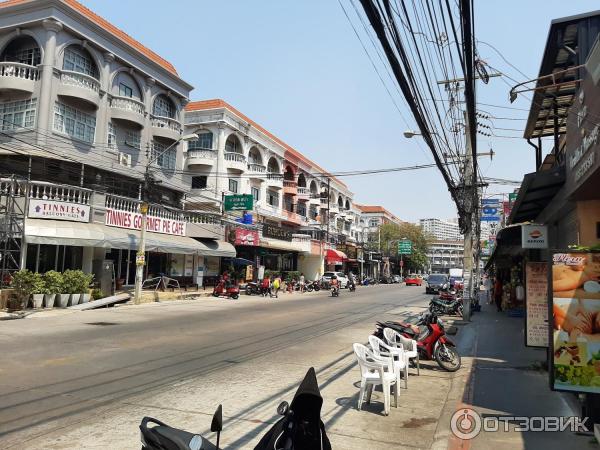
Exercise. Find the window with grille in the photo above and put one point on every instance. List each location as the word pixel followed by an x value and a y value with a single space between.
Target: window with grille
pixel 301 209
pixel 233 185
pixel 204 142
pixel 17 115
pixel 77 61
pixel 232 145
pixel 133 138
pixel 163 157
pixel 74 123
pixel 199 182
pixel 125 91
pixel 255 193
pixel 112 135
pixel 272 198
pixel 163 107
pixel 27 55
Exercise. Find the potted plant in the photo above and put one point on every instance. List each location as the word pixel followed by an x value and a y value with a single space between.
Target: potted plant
pixel 23 284
pixel 71 287
pixel 84 285
pixel 54 282
pixel 97 294
pixel 38 290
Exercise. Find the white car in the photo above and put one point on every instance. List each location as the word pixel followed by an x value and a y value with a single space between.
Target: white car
pixel 341 276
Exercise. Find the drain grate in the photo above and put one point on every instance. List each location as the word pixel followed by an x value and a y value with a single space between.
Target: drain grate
pixel 102 324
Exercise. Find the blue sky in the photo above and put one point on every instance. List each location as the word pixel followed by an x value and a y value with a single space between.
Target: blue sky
pixel 297 68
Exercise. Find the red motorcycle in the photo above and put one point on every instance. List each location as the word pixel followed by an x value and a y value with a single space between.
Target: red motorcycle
pixel 229 291
pixel 432 342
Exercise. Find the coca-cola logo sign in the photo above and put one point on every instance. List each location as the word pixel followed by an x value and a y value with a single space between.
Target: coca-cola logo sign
pixel 569 259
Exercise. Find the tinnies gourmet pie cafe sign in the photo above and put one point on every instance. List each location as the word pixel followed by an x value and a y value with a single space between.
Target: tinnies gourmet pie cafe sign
pixel 133 221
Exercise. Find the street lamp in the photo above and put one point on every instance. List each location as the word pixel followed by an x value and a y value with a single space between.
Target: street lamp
pixel 408 134
pixel 140 259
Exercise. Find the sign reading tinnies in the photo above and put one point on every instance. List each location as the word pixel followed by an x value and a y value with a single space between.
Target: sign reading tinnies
pixel 534 236
pixel 50 209
pixel 133 221
pixel 272 231
pixel 238 202
pixel 242 236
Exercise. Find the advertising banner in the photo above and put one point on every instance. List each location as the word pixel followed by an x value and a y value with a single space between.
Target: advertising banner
pixel 575 311
pixel 246 237
pixel 133 221
pixel 536 304
pixel 50 209
pixel 275 232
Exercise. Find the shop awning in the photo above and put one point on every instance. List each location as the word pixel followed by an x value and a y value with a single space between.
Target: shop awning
pixel 57 232
pixel 282 245
pixel 508 244
pixel 536 191
pixel 335 256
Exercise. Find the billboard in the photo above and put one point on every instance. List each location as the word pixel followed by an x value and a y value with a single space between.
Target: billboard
pixel 491 210
pixel 536 304
pixel 574 290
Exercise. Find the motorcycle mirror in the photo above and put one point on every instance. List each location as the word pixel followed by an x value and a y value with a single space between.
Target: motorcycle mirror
pixel 283 408
pixel 217 420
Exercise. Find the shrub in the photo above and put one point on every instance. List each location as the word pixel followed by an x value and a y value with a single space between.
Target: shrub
pixel 76 282
pixel 97 294
pixel 54 282
pixel 25 283
pixel 39 284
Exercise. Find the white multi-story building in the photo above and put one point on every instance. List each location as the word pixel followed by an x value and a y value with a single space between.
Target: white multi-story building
pixel 444 255
pixel 441 229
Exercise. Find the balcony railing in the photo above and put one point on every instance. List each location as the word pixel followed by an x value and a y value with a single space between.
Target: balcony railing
pixel 59 193
pixel 18 70
pixel 256 168
pixel 128 104
pixel 290 184
pixel 81 80
pixel 303 191
pixel 233 156
pixel 166 122
pixel 132 205
pixel 203 154
pixel 274 176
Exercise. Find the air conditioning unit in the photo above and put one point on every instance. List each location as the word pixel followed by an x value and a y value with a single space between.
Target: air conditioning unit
pixel 124 159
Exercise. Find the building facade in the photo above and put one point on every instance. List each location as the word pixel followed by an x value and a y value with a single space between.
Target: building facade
pixel 441 229
pixel 444 255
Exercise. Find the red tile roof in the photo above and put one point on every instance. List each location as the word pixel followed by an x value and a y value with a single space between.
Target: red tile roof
pixel 291 153
pixel 376 209
pixel 103 23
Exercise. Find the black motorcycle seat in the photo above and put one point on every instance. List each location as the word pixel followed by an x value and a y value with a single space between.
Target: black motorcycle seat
pixel 182 439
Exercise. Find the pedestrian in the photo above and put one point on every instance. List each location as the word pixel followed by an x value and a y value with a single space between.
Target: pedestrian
pixel 487 287
pixel 498 293
pixel 302 281
pixel 265 286
pixel 276 285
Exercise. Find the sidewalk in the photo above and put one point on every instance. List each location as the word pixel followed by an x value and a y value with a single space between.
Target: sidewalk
pixel 505 380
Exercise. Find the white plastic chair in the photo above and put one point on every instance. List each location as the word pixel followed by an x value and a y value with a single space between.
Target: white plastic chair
pixel 375 370
pixel 409 345
pixel 381 349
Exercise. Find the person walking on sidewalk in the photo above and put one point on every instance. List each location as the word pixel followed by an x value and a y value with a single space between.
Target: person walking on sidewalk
pixel 276 285
pixel 265 286
pixel 498 293
pixel 302 281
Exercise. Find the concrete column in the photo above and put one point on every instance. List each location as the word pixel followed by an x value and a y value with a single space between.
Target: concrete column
pixel 45 106
pixel 221 170
pixel 87 259
pixel 102 117
pixel 147 131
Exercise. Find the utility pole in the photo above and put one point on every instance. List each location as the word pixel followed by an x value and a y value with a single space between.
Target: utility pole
pixel 470 205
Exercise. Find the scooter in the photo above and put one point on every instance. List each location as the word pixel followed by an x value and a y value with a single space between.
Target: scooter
pixel 432 342
pixel 440 306
pixel 335 291
pixel 220 290
pixel 300 428
pixel 313 286
pixel 351 287
pixel 252 288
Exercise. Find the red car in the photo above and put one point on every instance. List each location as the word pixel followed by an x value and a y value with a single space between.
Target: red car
pixel 413 280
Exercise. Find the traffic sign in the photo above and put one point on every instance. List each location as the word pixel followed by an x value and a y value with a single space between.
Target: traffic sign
pixel 404 247
pixel 238 202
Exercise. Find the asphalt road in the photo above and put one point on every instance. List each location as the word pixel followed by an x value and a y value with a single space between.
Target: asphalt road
pixel 60 370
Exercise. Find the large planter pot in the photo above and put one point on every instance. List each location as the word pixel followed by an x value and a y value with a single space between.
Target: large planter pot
pixel 85 298
pixel 74 300
pixel 49 300
pixel 62 300
pixel 37 300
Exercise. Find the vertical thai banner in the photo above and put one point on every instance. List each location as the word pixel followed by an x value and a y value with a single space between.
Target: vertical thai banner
pixel 536 304
pixel 575 307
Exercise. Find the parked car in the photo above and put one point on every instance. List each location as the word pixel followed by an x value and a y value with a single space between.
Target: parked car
pixel 436 282
pixel 341 276
pixel 413 280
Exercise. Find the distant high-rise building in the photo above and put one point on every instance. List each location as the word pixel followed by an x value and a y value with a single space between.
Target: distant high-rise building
pixel 447 230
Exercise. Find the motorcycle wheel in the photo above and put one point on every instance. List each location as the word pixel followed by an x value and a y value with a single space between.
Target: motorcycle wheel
pixel 447 357
pixel 215 294
pixel 309 288
pixel 317 288
pixel 235 296
pixel 248 291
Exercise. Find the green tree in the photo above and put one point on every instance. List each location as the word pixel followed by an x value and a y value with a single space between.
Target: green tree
pixel 391 233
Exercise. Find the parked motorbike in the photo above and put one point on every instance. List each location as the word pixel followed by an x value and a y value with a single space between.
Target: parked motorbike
pixel 450 306
pixel 220 290
pixel 300 428
pixel 351 287
pixel 253 288
pixel 162 436
pixel 432 342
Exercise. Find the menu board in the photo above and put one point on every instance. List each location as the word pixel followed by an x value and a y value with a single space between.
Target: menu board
pixel 536 304
pixel 575 349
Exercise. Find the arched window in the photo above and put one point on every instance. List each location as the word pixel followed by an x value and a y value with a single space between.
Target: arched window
pixel 254 156
pixel 233 145
pixel 347 206
pixel 204 141
pixel 163 107
pixel 340 202
pixel 78 59
pixel 301 180
pixel 288 174
pixel 273 166
pixel 23 50
pixel 314 190
pixel 124 85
